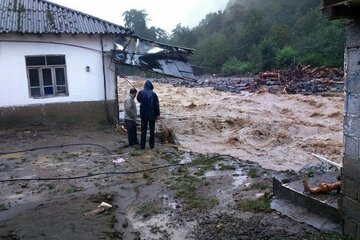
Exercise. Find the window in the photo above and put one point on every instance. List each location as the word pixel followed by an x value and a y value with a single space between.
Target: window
pixel 46 75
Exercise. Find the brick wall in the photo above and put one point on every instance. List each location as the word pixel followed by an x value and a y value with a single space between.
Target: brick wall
pixel 350 202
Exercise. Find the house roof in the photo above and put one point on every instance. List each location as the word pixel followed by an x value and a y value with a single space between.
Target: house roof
pixel 41 16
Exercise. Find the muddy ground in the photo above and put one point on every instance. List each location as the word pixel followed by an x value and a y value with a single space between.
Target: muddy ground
pixel 52 175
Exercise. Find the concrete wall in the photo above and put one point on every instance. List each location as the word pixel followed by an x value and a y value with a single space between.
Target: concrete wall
pixel 58 113
pixel 350 203
pixel 79 50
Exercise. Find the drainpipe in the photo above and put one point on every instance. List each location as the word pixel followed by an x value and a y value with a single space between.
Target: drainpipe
pixel 104 77
pixel 116 98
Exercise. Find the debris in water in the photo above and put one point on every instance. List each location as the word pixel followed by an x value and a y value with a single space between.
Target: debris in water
pixel 322 187
pixel 101 208
pixel 118 161
pixel 165 134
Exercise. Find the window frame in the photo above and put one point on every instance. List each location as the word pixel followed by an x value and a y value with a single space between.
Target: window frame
pixel 54 84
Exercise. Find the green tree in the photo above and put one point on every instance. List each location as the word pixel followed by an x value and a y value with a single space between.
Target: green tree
pixel 319 41
pixel 252 31
pixel 281 34
pixel 212 23
pixel 235 67
pixel 183 36
pixel 212 53
pixel 268 53
pixel 158 34
pixel 285 57
pixel 137 21
pixel 262 35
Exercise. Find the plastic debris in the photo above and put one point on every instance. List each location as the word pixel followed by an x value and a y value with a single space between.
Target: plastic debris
pixel 118 161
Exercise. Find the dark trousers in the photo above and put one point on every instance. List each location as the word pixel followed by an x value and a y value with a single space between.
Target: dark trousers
pixel 131 131
pixel 144 126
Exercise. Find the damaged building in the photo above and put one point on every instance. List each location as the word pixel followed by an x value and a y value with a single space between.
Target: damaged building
pixel 58 64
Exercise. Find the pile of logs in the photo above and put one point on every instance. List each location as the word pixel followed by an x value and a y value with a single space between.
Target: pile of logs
pixel 312 80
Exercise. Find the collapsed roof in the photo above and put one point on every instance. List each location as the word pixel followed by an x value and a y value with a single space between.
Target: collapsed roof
pixel 160 58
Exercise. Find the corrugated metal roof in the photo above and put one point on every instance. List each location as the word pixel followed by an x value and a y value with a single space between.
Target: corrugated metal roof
pixel 40 16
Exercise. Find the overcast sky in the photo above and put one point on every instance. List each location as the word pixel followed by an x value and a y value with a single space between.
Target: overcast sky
pixel 165 14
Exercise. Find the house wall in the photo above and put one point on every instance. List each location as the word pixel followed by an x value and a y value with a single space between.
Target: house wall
pixel 83 87
pixel 350 202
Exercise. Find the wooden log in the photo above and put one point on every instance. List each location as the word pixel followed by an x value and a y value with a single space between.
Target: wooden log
pixel 322 187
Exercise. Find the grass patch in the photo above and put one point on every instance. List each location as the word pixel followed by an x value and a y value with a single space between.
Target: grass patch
pixel 203 160
pixel 182 170
pixel 204 164
pixel 3 207
pixel 257 205
pixel 149 209
pixel 135 153
pixel 253 173
pixel 227 167
pixel 73 189
pixel 186 187
pixel 309 173
pixel 170 157
pixel 148 177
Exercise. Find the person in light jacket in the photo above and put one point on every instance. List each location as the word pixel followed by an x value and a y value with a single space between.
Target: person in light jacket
pixel 130 117
pixel 149 112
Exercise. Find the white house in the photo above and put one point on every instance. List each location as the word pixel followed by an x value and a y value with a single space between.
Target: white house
pixel 55 64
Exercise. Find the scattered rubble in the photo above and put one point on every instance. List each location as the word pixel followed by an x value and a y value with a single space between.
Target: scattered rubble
pixel 299 79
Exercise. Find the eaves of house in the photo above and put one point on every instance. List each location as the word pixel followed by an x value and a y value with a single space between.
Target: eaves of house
pixel 44 17
pixel 335 9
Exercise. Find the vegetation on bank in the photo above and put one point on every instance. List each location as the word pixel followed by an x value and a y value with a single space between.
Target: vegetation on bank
pixel 255 35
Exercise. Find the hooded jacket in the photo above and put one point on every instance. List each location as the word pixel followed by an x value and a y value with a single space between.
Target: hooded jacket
pixel 149 103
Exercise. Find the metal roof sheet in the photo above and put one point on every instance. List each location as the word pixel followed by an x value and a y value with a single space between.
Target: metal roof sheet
pixel 41 16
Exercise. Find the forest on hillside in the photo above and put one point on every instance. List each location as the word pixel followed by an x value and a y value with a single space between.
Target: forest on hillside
pixel 250 36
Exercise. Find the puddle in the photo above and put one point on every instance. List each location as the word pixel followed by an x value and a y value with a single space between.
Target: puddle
pixel 161 226
pixel 186 158
pixel 239 178
pixel 169 201
pixel 237 175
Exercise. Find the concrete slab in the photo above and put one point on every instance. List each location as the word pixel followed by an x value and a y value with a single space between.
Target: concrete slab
pixel 324 205
pixel 302 215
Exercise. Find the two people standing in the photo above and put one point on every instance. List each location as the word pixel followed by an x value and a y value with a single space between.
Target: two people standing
pixel 149 112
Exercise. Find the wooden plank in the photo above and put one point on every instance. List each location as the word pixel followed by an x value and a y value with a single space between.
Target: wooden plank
pixel 321 158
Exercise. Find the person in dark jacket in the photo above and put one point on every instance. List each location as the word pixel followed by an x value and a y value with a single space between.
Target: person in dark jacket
pixel 149 112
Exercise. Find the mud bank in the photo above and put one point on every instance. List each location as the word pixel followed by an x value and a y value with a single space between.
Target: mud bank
pixel 161 194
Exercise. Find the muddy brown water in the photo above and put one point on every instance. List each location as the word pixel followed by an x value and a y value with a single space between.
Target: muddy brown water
pixel 279 131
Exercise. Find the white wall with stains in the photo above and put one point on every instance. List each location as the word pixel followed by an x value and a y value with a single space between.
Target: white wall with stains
pixel 80 51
